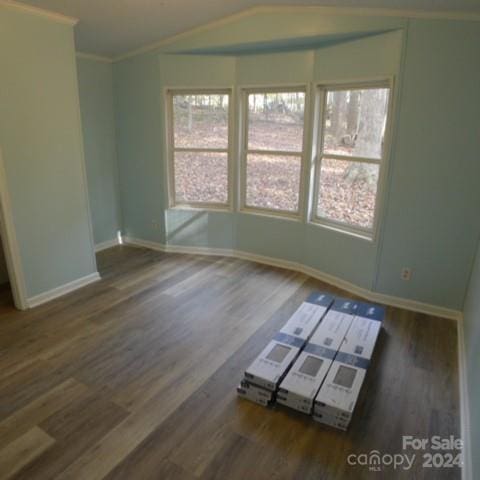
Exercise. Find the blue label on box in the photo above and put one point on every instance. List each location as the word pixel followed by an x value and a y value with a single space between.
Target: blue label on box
pixel 320 298
pixel 320 351
pixel 289 339
pixel 345 305
pixel 371 311
pixel 353 360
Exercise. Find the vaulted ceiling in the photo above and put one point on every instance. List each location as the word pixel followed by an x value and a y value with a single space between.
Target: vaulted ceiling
pixel 114 27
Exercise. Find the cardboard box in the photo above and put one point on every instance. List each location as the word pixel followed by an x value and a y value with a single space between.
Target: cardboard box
pixel 339 393
pixel 306 318
pixel 294 404
pixel 332 421
pixel 320 408
pixel 301 384
pixel 272 364
pixel 258 391
pixel 249 395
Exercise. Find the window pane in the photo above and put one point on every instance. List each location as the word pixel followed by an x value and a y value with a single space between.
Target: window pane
pixel 355 122
pixel 201 177
pixel 200 121
pixel 273 182
pixel 275 121
pixel 347 192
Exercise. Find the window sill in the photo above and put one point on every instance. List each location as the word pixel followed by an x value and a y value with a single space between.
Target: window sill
pixel 292 217
pixel 201 208
pixel 365 236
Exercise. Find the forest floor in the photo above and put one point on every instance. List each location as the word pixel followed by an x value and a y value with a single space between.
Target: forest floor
pixel 347 193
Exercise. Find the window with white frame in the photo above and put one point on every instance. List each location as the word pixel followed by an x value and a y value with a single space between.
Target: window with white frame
pixel 351 152
pixel 273 150
pixel 199 146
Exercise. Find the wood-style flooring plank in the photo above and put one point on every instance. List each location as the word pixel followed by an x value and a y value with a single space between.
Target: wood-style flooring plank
pixel 22 451
pixel 134 377
pixel 39 409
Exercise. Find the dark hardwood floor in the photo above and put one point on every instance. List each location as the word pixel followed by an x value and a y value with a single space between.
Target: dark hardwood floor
pixel 134 377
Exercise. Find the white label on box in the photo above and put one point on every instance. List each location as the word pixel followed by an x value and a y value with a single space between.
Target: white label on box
pixel 259 391
pixel 249 395
pixel 309 370
pixel 362 335
pixel 341 388
pixel 295 404
pixel 304 321
pixel 270 366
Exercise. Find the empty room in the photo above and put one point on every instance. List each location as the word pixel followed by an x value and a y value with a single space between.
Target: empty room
pixel 239 239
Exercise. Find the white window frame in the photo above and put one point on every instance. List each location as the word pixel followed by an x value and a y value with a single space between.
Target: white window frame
pixel 245 91
pixel 321 96
pixel 172 149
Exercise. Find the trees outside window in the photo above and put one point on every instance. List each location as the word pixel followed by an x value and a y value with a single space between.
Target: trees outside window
pixel 351 125
pixel 272 154
pixel 351 154
pixel 199 148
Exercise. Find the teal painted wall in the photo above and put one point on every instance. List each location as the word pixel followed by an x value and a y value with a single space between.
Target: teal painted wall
pixel 432 222
pixel 472 348
pixel 139 87
pixel 426 196
pixel 139 131
pixel 95 83
pixel 42 146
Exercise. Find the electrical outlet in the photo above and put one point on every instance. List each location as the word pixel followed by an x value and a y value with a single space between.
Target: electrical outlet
pixel 155 224
pixel 406 273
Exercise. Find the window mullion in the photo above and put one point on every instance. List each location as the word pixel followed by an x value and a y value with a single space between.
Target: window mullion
pixel 281 153
pixel 349 158
pixel 201 150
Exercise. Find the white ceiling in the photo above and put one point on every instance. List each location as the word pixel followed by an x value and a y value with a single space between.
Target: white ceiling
pixel 114 27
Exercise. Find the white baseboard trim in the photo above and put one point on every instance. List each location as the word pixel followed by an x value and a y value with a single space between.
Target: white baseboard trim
pixel 312 272
pixel 107 244
pixel 467 473
pixel 44 297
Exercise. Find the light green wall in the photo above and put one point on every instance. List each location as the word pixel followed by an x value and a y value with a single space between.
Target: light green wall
pixel 95 85
pixel 41 142
pixel 432 222
pixel 139 131
pixel 270 69
pixel 472 348
pixel 426 196
pixel 139 86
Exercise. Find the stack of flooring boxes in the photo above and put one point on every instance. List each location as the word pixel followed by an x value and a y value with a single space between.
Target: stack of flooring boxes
pixel 338 395
pixel 264 375
pixel 300 386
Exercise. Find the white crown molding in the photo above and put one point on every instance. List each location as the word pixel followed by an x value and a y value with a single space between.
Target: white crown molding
pixel 354 11
pixel 107 244
pixel 465 431
pixel 62 290
pixel 312 272
pixel 39 12
pixel 95 58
